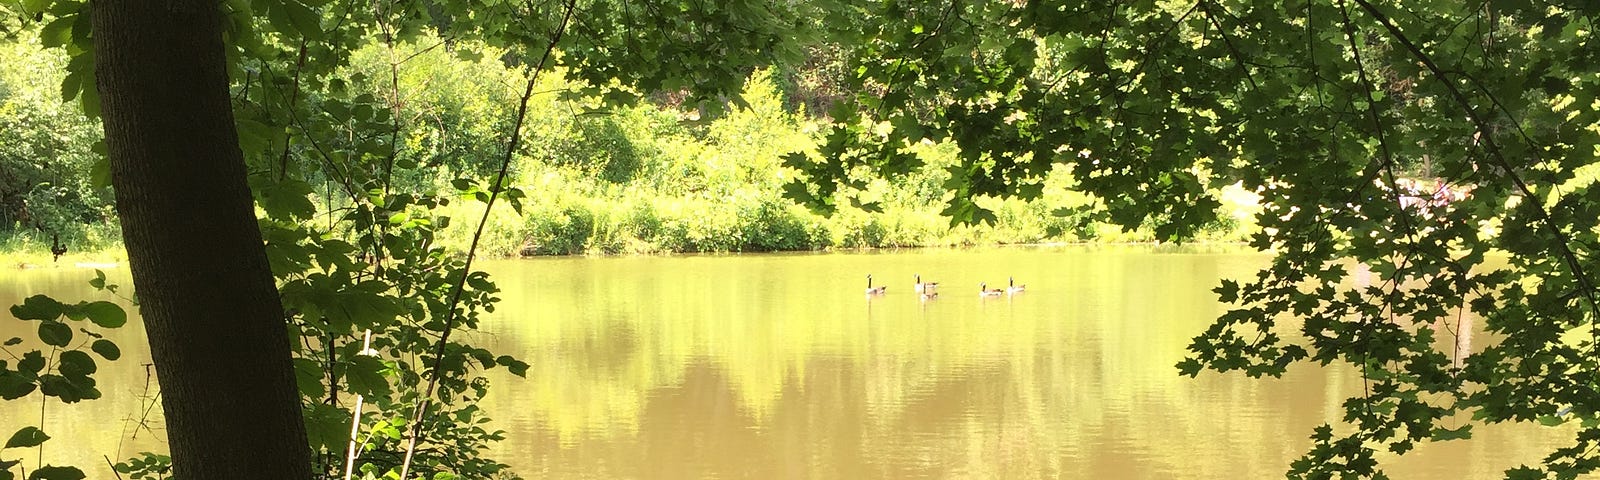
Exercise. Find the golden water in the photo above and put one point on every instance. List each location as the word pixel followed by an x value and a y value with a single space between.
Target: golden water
pixel 777 366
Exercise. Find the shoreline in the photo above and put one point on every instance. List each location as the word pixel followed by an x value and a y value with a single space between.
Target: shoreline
pixel 112 258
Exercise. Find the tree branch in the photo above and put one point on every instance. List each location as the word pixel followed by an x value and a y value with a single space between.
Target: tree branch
pixel 1563 246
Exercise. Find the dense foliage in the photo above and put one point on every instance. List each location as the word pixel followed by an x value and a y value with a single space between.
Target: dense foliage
pixel 1321 107
pixel 57 365
pixel 627 179
pixel 47 195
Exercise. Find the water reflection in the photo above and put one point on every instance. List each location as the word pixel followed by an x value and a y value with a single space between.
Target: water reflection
pixel 122 423
pixel 776 366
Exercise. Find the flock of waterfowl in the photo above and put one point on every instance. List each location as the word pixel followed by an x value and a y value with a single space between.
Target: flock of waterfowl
pixel 928 290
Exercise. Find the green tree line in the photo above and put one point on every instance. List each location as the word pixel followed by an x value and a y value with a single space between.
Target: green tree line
pixel 645 178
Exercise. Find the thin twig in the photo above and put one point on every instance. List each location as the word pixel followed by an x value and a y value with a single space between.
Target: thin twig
pixel 460 284
pixel 294 97
pixel 113 467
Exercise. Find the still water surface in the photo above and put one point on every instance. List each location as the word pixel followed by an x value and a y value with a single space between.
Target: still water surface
pixel 777 366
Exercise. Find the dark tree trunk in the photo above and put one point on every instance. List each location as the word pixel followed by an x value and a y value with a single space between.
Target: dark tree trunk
pixel 216 327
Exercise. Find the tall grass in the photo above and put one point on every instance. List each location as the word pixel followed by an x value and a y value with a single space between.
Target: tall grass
pixel 27 247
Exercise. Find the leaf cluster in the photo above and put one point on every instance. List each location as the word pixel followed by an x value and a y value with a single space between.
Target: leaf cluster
pixel 1329 110
pixel 64 372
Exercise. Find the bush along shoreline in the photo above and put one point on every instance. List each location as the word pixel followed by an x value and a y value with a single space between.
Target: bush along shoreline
pixel 654 178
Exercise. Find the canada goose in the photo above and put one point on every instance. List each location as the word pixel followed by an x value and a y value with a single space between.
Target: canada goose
pixel 984 291
pixel 1012 288
pixel 929 287
pixel 871 290
pixel 929 295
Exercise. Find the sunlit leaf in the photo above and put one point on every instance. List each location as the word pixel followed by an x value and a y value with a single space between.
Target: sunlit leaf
pixel 106 314
pixel 38 307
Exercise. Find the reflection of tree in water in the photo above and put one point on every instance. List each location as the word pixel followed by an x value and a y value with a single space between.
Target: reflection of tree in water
pixel 1066 385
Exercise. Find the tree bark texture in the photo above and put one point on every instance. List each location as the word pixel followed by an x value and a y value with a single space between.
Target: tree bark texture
pixel 216 327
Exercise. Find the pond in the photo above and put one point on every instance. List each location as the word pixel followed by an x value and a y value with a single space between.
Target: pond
pixel 778 366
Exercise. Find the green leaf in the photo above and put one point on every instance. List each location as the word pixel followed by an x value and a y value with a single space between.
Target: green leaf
pixel 285 200
pixel 1524 473
pixel 80 30
pixel 106 314
pixel 38 307
pixel 365 376
pixel 480 281
pixel 327 426
pixel 107 349
pixel 26 437
pixel 55 333
pixel 308 376
pixel 69 390
pixel 56 473
pixel 1228 292
pixel 70 85
pixel 1461 433
pixel 89 102
pixel 14 385
pixel 76 363
pixel 13 341
pixel 58 32
pixel 305 20
pixel 254 136
pixel 100 172
pixel 517 367
pixel 31 363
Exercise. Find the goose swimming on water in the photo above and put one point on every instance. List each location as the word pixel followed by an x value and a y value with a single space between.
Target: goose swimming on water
pixel 929 287
pixel 871 290
pixel 984 291
pixel 1012 288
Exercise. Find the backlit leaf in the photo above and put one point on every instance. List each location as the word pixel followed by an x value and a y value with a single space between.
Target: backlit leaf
pixel 55 333
pixel 106 314
pixel 38 307
pixel 365 376
pixel 75 363
pixel 56 473
pixel 14 385
pixel 107 349
pixel 27 437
